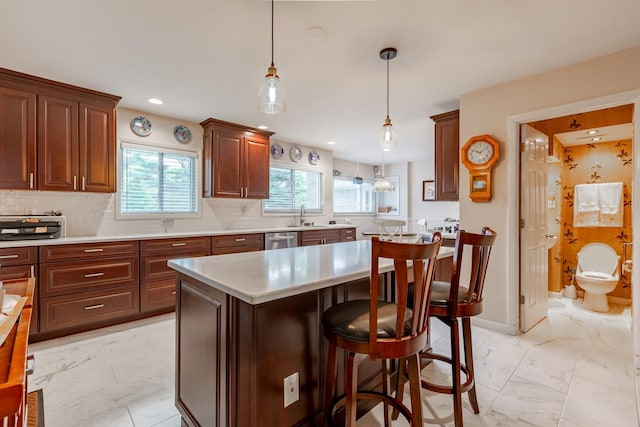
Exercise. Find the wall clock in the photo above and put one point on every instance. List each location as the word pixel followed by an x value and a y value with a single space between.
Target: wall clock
pixel 479 155
pixel 141 126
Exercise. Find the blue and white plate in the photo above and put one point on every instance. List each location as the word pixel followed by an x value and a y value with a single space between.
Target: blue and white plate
pixel 276 150
pixel 141 126
pixel 182 134
pixel 314 157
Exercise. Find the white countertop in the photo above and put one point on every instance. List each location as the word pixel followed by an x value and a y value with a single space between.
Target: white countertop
pixel 146 236
pixel 258 277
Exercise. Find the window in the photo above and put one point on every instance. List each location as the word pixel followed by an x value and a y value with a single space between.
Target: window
pixel 291 188
pixel 157 181
pixel 352 198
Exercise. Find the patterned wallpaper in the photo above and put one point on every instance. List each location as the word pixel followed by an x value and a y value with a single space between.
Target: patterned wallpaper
pixel 587 164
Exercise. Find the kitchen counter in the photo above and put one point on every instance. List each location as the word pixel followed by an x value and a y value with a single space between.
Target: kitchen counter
pixel 149 236
pixel 258 277
pixel 247 322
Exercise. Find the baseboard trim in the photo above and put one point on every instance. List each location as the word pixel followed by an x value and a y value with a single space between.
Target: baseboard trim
pixel 495 326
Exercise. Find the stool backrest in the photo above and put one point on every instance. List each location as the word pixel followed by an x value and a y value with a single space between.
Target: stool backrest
pixel 411 333
pixel 480 246
pixel 390 229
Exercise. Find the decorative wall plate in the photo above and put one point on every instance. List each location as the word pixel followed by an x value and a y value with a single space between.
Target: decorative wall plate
pixel 141 126
pixel 182 134
pixel 314 157
pixel 276 150
pixel 295 153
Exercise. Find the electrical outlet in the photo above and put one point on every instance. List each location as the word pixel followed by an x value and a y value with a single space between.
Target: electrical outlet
pixel 291 392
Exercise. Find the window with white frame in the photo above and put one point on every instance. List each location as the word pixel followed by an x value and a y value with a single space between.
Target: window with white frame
pixel 291 188
pixel 350 198
pixel 157 181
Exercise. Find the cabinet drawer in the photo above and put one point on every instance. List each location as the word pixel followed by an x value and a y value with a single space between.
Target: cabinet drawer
pixel 17 256
pixel 88 250
pixel 18 271
pixel 78 276
pixel 172 245
pixel 88 307
pixel 347 234
pixel 154 267
pixel 253 240
pixel 320 234
pixel 158 295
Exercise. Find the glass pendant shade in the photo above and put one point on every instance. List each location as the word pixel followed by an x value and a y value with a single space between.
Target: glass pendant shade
pixel 382 185
pixel 271 95
pixel 388 137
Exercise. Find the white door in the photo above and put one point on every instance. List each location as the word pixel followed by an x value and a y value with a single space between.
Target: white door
pixel 533 212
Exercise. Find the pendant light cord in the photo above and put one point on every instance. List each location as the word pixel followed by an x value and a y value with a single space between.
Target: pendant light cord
pixel 387 88
pixel 272 2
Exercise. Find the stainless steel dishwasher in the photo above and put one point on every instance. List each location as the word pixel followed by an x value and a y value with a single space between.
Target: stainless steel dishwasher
pixel 283 239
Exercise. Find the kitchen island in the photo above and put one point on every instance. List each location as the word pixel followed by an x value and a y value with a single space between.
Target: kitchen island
pixel 245 322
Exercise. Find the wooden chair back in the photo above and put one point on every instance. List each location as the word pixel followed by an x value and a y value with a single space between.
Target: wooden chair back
pixel 390 229
pixel 480 246
pixel 411 324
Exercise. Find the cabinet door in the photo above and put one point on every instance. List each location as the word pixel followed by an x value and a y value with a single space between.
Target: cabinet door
pixel 17 139
pixel 97 149
pixel 227 163
pixel 446 155
pixel 256 170
pixel 57 144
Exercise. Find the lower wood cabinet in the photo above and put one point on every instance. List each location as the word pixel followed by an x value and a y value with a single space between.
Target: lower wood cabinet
pixel 21 263
pixel 236 243
pixel 319 237
pixel 156 296
pixel 87 308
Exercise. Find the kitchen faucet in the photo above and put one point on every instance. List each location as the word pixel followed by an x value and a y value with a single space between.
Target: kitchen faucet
pixel 302 214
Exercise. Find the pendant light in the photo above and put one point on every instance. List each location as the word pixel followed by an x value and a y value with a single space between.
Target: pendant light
pixel 382 184
pixel 357 179
pixel 388 137
pixel 271 95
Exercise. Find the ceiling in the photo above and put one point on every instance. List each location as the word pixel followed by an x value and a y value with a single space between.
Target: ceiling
pixel 206 58
pixel 619 132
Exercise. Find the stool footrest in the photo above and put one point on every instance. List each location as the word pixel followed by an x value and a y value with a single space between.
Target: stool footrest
pixel 438 388
pixel 368 395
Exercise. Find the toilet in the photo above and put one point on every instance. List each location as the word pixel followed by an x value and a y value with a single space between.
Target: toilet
pixel 597 274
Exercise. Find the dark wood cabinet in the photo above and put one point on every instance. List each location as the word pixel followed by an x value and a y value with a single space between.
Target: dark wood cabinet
pixel 236 161
pixel 72 130
pixel 235 243
pixel 347 234
pixel 157 280
pixel 447 155
pixel 83 286
pixel 17 138
pixel 319 237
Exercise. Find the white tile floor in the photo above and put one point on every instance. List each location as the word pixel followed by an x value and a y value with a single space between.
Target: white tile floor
pixel 573 369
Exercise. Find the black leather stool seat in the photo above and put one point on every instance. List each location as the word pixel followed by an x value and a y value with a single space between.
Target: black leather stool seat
pixel 440 293
pixel 351 320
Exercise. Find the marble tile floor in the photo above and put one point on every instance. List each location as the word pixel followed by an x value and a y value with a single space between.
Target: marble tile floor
pixel 573 369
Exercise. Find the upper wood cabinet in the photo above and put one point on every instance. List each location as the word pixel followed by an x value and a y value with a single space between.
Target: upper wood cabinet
pixel 76 135
pixel 17 138
pixel 447 155
pixel 236 160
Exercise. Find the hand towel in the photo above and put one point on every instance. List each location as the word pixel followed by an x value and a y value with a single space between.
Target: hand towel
pixel 610 199
pixel 586 205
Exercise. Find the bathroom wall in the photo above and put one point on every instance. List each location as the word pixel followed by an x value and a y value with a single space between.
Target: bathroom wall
pixel 595 163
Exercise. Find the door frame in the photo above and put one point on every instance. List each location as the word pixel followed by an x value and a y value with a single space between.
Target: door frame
pixel 513 191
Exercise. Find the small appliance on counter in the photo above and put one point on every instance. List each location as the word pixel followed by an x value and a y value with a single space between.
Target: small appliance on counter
pixel 450 225
pixel 32 227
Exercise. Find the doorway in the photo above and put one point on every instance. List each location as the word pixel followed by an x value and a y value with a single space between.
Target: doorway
pixel 590 147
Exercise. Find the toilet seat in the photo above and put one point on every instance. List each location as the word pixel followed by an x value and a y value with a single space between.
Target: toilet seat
pixel 596 275
pixel 598 258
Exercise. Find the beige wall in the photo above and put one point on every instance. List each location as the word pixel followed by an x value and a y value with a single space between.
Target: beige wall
pixel 588 85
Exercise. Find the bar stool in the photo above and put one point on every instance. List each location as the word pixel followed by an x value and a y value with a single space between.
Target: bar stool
pixel 401 332
pixel 461 299
pixel 390 229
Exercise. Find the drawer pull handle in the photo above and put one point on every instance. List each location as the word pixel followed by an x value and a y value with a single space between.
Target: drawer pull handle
pixel 93 275
pixel 8 256
pixel 94 250
pixel 173 293
pixel 93 307
pixel 240 240
pixel 178 244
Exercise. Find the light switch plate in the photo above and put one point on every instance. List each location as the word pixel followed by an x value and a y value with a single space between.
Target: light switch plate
pixel 291 389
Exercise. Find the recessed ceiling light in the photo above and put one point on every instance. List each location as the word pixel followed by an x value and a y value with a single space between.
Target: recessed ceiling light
pixel 331 142
pixel 596 139
pixel 263 127
pixel 315 33
pixel 592 132
pixel 155 101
